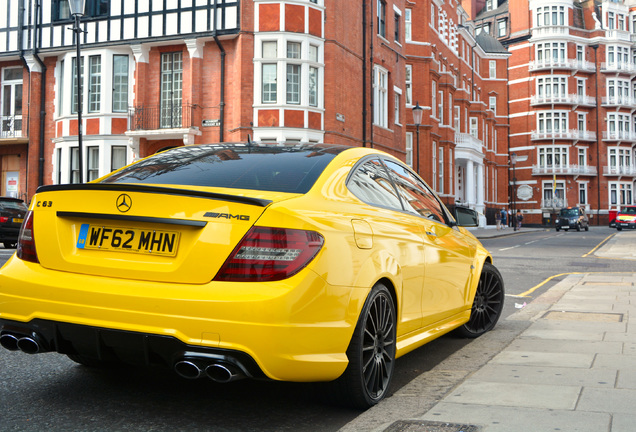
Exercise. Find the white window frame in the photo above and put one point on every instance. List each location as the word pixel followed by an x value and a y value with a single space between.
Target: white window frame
pixel 380 96
pixel 397 104
pixel 409 85
pixel 492 104
pixel 549 157
pixel 409 149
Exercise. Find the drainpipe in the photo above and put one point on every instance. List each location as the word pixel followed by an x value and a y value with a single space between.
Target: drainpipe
pixel 222 104
pixel 372 37
pixel 364 73
pixel 38 30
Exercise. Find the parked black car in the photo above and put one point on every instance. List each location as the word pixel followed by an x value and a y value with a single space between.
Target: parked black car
pixel 572 218
pixel 12 211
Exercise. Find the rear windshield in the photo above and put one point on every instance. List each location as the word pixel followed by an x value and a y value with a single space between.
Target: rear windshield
pixel 12 205
pixel 569 212
pixel 278 168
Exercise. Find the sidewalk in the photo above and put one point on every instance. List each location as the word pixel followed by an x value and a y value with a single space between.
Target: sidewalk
pixel 491 231
pixel 565 362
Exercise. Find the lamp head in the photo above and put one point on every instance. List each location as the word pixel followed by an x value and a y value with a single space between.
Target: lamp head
pixel 417 114
pixel 77 7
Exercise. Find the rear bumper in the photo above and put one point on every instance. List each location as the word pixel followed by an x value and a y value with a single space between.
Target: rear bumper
pixel 110 345
pixel 292 330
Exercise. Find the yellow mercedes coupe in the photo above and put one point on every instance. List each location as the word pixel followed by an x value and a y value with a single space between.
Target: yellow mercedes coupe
pixel 283 262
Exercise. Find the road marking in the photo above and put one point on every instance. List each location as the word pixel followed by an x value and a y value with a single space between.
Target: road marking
pixel 598 246
pixel 505 249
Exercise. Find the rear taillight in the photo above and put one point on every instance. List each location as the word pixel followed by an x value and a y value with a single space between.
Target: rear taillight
pixel 26 242
pixel 270 254
pixel 4 219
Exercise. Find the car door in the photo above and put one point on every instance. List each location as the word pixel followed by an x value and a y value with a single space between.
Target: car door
pixel 448 253
pixel 390 233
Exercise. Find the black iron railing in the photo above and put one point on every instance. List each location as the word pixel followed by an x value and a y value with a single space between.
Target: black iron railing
pixel 143 117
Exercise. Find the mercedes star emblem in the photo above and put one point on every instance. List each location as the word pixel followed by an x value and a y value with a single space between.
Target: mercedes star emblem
pixel 124 203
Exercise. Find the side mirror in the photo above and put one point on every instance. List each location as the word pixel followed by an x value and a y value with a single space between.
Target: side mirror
pixel 466 217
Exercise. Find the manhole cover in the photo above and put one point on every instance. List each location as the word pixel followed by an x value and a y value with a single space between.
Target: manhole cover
pixel 428 426
pixel 583 316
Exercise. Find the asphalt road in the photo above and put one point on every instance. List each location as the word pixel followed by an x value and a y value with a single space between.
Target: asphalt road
pixel 49 392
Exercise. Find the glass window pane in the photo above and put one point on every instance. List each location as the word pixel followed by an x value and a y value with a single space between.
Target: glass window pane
pixel 120 83
pixel 370 183
pixel 269 83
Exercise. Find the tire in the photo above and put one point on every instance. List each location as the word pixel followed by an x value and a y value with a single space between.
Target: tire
pixel 487 305
pixel 371 353
pixel 587 227
pixel 558 229
pixel 619 228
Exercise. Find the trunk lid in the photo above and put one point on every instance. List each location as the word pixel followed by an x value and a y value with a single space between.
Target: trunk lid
pixel 142 232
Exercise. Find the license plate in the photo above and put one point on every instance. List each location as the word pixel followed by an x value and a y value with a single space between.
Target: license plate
pixel 155 242
pixel 18 220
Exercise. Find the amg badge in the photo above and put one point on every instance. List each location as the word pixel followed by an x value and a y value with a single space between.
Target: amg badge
pixel 226 216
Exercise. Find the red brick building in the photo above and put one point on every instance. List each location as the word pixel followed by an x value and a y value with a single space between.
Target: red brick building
pixel 572 100
pixel 171 73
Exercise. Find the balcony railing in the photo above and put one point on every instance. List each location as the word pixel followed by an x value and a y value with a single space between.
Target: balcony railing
pixel 620 35
pixel 570 99
pixel 467 141
pixel 550 30
pixel 12 126
pixel 619 136
pixel 572 134
pixel 627 101
pixel 623 170
pixel 554 203
pixel 564 170
pixel 552 63
pixel 143 117
pixel 624 67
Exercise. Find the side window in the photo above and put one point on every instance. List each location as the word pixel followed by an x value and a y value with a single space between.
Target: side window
pixel 370 183
pixel 416 196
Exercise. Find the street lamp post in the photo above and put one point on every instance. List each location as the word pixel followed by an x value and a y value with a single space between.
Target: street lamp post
pixel 77 10
pixel 417 120
pixel 513 215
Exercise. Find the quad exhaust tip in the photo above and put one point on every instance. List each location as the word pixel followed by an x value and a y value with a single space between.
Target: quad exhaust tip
pixel 10 342
pixel 218 372
pixel 26 344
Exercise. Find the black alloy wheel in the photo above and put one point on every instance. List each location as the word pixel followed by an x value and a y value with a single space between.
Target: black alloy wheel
pixel 371 352
pixel 488 303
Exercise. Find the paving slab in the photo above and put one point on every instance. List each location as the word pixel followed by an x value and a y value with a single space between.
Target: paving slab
pixel 581 327
pixel 531 358
pixel 567 346
pixel 627 380
pixel 507 419
pixel 564 335
pixel 520 374
pixel 607 400
pixel 520 395
pixel 623 422
pixel 615 361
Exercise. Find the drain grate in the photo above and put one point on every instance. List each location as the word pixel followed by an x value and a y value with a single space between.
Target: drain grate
pixel 584 316
pixel 429 426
